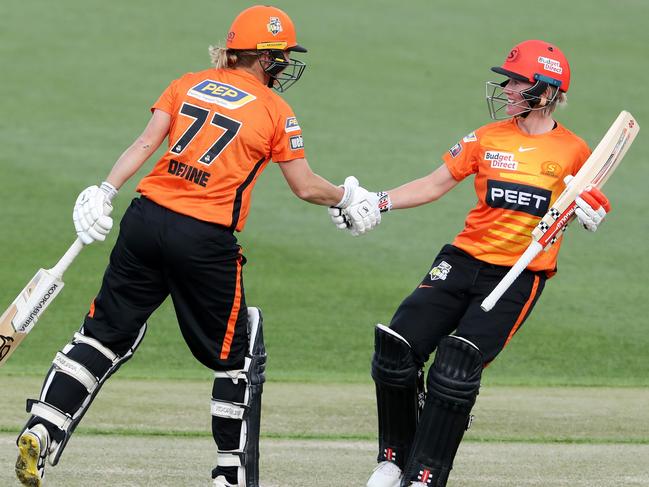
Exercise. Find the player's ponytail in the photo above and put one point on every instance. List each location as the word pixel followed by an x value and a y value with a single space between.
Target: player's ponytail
pixel 223 58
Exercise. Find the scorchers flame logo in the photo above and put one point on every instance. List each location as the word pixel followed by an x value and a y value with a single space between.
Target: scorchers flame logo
pixel 5 345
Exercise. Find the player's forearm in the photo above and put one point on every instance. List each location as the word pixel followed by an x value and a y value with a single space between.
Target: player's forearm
pixel 409 195
pixel 319 191
pixel 309 186
pixel 140 150
pixel 423 190
pixel 130 161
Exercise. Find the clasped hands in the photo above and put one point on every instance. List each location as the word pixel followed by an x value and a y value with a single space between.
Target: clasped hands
pixel 359 210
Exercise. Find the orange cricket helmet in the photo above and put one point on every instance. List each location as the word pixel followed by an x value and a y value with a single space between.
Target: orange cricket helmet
pixel 536 61
pixel 263 27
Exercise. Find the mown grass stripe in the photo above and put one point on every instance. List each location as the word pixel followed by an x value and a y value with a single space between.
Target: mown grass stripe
pixel 319 437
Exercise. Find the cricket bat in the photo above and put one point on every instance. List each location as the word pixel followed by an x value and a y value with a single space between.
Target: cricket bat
pixel 21 316
pixel 595 172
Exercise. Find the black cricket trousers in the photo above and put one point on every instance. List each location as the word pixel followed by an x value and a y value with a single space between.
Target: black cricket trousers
pixel 160 253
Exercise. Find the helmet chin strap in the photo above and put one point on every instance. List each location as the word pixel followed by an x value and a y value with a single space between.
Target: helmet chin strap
pixel 535 98
pixel 529 96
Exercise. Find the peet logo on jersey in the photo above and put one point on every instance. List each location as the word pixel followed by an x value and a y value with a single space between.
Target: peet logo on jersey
pixel 501 160
pixel 518 197
pixel 291 125
pixel 297 142
pixel 222 94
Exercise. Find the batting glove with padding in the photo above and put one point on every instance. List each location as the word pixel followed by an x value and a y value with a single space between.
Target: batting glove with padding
pixel 358 210
pixel 91 214
pixel 592 207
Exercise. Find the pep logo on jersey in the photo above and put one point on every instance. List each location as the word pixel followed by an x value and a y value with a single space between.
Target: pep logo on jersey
pixel 222 94
pixel 518 197
pixel 501 160
pixel 291 125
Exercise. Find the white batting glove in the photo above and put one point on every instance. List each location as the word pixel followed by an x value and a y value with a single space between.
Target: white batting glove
pixel 358 210
pixel 592 207
pixel 337 217
pixel 91 214
pixel 336 214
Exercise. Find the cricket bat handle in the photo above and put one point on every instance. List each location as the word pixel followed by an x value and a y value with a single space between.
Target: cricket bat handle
pixel 523 261
pixel 67 259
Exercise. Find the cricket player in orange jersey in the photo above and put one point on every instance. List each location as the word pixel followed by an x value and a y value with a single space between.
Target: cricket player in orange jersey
pixel 519 166
pixel 223 125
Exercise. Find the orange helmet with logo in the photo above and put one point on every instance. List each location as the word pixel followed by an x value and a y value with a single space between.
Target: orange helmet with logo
pixel 263 28
pixel 536 61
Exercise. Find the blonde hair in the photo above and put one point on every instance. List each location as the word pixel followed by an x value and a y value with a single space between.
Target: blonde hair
pixel 223 58
pixel 560 100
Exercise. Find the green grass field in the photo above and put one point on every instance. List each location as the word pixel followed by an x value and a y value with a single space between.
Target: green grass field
pixel 322 435
pixel 389 87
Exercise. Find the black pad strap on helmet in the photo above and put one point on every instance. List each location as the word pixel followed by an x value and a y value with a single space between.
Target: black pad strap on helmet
pixel 399 394
pixel 533 94
pixel 453 384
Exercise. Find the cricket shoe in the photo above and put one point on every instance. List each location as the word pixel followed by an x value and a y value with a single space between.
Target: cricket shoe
pixel 221 482
pixel 386 474
pixel 33 446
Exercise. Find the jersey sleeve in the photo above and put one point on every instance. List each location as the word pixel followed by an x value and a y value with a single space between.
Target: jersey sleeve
pixel 287 143
pixel 461 159
pixel 167 99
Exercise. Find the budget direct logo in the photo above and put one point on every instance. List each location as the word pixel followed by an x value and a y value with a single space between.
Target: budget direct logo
pixel 222 94
pixel 550 64
pixel 501 160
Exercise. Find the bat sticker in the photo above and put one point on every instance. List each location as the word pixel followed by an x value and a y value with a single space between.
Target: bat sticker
pixel 5 345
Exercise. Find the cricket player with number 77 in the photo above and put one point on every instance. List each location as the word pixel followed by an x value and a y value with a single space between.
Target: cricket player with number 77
pixel 224 125
pixel 520 165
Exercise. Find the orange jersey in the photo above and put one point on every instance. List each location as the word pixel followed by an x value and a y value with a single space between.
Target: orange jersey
pixel 517 178
pixel 225 128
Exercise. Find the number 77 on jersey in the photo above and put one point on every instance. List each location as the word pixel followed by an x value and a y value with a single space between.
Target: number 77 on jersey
pixel 595 172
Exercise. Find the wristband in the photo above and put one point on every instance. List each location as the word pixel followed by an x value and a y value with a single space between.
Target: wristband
pixel 109 189
pixel 385 204
pixel 347 197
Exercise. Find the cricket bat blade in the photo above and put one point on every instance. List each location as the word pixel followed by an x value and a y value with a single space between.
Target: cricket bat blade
pixel 21 316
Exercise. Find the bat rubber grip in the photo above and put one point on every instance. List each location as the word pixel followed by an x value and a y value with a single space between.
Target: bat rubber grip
pixel 65 261
pixel 524 260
